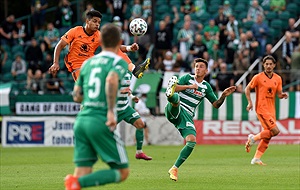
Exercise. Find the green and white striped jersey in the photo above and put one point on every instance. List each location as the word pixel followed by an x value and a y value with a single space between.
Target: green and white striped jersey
pixel 92 80
pixel 191 98
pixel 122 101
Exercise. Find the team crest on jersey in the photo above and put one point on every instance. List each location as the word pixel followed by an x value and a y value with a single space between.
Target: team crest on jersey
pixel 85 48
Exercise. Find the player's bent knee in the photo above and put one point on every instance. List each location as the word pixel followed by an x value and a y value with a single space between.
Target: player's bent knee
pixel 124 173
pixel 275 131
pixel 190 138
pixel 139 124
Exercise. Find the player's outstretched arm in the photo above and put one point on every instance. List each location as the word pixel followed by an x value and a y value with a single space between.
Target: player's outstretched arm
pixel 225 93
pixel 55 66
pixel 132 47
pixel 184 87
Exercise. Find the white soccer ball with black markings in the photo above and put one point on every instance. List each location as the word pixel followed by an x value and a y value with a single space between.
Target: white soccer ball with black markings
pixel 138 27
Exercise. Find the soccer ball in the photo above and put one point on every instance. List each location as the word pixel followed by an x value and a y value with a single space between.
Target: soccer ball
pixel 138 27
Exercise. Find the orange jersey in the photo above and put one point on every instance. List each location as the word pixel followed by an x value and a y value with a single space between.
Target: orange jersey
pixel 124 56
pixel 266 89
pixel 81 46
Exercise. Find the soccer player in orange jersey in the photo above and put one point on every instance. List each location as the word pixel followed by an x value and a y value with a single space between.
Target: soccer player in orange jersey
pixel 266 84
pixel 83 42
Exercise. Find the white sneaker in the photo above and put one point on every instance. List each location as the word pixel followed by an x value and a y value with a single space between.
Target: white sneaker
pixel 257 161
pixel 171 86
pixel 249 142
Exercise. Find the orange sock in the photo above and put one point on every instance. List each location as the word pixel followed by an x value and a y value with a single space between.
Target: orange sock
pixel 261 148
pixel 258 154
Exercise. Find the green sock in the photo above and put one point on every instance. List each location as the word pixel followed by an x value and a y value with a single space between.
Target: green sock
pixel 185 153
pixel 100 177
pixel 139 137
pixel 174 98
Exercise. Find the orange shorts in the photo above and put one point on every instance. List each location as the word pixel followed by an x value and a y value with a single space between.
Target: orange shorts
pixel 75 74
pixel 267 121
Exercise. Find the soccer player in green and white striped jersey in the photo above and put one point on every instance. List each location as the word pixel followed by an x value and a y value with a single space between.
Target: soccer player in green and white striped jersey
pixel 127 113
pixel 180 110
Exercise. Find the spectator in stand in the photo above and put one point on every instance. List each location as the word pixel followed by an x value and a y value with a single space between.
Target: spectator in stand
pixel 277 5
pixel 64 16
pixel 185 38
pixel 34 58
pixel 295 32
pixel 198 47
pixel 243 43
pixel 233 26
pixel 187 7
pixel 287 50
pixel 254 10
pixel 168 61
pixel 242 59
pixel 137 10
pixel 268 52
pixel 118 8
pixel 295 68
pixel 200 7
pixel 55 85
pixel 38 8
pixel 253 46
pixel 163 41
pixel 213 69
pixel 221 20
pixel 179 62
pixel 18 66
pixel 212 29
pixel 89 7
pixel 51 36
pixel 209 42
pixel 8 30
pixel 20 34
pixel 170 24
pixel 224 79
pixel 227 8
pixel 147 6
pixel 47 64
pixel 230 49
pixel 260 31
pixel 3 58
pixel 124 34
pixel 196 27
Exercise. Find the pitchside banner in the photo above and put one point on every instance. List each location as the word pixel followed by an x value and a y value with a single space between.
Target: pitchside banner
pixel 58 131
pixel 47 108
pixel 236 132
pixel 37 131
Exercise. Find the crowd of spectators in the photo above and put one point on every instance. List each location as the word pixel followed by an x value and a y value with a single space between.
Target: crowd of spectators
pixel 231 35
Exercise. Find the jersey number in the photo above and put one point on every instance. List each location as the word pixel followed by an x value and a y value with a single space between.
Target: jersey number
pixel 95 83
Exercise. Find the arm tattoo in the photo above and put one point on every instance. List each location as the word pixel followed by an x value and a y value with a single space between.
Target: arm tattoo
pixel 111 89
pixel 77 95
pixel 219 102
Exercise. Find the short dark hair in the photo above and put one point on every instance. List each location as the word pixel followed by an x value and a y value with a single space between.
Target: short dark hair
pixel 269 57
pixel 197 60
pixel 110 35
pixel 93 13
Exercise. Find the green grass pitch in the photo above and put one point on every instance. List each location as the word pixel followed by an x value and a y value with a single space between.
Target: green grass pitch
pixel 209 167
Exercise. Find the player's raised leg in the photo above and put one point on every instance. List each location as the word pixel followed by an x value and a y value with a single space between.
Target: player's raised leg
pixel 138 71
